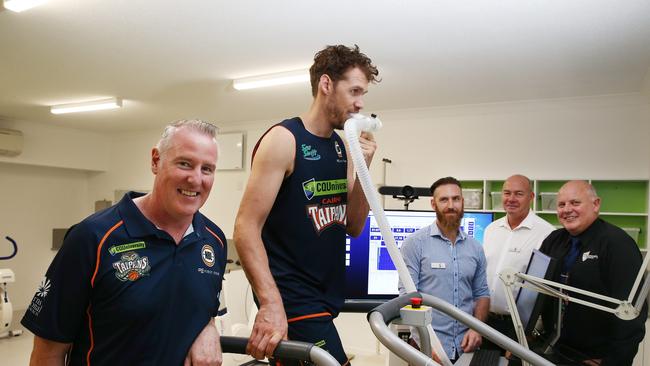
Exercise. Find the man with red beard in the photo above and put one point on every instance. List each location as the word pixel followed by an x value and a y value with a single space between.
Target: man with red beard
pixel 444 262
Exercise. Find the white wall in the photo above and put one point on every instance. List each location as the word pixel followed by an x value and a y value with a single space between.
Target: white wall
pixel 645 89
pixel 129 165
pixel 33 202
pixel 43 188
pixel 600 137
pixel 60 147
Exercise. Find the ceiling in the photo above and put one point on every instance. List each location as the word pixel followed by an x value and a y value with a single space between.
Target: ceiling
pixel 175 59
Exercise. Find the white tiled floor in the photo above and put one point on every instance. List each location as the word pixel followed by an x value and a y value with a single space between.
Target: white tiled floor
pixel 15 351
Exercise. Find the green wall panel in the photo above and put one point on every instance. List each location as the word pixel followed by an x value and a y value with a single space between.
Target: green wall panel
pixel 618 196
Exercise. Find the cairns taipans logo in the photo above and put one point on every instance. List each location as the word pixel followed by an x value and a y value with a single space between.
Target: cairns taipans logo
pixel 309 153
pixel 131 267
pixel 324 216
pixel 207 254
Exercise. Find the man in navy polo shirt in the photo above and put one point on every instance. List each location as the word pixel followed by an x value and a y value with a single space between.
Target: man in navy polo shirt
pixel 139 282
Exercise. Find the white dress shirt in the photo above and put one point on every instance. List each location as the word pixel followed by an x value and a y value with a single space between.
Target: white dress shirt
pixel 508 248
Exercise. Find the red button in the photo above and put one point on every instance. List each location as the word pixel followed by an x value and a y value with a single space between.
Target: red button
pixel 416 302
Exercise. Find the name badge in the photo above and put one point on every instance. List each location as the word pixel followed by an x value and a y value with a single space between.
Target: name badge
pixel 438 265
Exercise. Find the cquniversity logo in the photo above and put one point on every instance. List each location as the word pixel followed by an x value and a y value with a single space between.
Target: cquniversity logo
pixel 309 187
pixel 314 188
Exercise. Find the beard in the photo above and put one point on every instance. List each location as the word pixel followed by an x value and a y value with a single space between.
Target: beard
pixel 335 114
pixel 449 222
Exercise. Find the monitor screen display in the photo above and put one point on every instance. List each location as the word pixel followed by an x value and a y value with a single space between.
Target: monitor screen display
pixel 370 272
pixel 529 302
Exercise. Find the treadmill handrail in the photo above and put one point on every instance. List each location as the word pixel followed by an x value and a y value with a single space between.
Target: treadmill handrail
pixel 380 317
pixel 361 305
pixel 396 345
pixel 286 349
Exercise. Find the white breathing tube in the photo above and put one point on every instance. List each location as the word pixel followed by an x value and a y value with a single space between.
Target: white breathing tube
pixel 353 126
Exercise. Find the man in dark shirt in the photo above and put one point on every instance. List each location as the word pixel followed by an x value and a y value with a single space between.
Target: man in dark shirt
pixel 596 256
pixel 139 282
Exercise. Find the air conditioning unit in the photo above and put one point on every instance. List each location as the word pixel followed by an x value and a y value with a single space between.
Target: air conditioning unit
pixel 11 142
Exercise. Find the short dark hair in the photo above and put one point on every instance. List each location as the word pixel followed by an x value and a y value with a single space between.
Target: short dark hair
pixel 443 181
pixel 334 61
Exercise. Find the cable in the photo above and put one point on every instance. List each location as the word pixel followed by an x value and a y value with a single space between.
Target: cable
pixel 353 126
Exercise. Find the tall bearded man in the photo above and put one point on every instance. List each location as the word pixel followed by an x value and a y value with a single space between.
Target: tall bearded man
pixel 444 262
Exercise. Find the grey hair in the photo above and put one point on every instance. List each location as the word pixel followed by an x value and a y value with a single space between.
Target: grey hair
pixel 198 125
pixel 588 187
pixel 592 190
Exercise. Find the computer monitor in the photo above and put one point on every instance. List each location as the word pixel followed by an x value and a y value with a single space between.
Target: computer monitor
pixel 370 272
pixel 530 302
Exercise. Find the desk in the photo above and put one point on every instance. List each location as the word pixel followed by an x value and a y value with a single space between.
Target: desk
pixel 466 358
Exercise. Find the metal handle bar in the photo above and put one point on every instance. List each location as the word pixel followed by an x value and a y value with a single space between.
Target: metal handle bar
pixel 286 349
pixel 384 314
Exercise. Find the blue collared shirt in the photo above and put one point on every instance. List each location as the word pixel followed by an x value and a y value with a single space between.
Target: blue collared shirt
pixel 454 273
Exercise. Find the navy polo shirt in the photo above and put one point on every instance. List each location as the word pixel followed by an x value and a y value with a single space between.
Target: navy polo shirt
pixel 123 293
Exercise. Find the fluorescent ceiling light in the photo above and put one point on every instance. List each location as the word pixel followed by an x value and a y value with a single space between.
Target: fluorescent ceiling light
pixel 95 105
pixel 262 81
pixel 20 5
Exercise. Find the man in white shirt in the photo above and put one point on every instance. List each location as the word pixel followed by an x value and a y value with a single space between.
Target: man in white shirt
pixel 508 243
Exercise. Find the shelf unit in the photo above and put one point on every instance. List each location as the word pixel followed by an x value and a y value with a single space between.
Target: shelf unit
pixel 624 202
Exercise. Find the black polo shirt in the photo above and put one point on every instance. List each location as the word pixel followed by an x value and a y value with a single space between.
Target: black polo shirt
pixel 608 263
pixel 123 293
